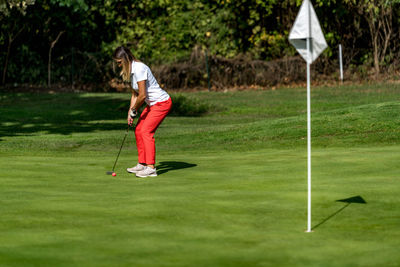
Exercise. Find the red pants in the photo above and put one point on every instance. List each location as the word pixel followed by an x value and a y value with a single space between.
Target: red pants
pixel 146 126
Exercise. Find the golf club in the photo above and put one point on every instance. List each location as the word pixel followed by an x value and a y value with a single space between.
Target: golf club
pixel 119 152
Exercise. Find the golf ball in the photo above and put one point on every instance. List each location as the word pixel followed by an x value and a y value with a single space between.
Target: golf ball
pixel 114 174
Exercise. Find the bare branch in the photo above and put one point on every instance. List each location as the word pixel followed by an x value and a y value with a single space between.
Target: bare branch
pixel 56 40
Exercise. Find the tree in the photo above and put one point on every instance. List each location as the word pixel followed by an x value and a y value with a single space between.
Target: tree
pixel 379 16
pixel 55 27
pixel 10 11
pixel 52 44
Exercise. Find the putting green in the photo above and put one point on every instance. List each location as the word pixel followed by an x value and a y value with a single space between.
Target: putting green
pixel 249 209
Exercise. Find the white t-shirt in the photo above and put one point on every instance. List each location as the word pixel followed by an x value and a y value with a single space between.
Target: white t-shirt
pixel 154 93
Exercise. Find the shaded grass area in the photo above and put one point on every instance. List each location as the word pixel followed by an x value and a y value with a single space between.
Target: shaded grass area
pixel 29 113
pixel 231 189
pixel 341 116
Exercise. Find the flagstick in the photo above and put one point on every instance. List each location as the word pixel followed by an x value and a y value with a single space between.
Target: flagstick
pixel 341 63
pixel 298 35
pixel 309 136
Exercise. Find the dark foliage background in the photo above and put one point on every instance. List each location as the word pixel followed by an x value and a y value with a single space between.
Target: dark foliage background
pixel 68 43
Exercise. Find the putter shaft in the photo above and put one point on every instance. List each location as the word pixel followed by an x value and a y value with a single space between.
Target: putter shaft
pixel 119 152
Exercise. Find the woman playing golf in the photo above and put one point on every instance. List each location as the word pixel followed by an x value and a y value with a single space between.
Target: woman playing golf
pixel 145 89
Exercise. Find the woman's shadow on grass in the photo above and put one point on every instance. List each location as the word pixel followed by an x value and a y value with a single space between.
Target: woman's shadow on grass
pixel 166 166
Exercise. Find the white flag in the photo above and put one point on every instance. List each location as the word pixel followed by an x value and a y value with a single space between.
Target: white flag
pixel 307 26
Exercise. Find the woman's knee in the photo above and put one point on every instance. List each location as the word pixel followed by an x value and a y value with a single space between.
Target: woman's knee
pixel 146 133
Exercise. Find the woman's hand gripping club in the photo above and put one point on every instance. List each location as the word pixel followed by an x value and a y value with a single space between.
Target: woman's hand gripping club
pixel 131 115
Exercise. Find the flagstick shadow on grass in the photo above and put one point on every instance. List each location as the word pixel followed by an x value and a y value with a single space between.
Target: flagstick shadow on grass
pixel 166 166
pixel 348 201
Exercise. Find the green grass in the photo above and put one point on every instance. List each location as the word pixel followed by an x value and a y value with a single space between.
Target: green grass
pixel 231 189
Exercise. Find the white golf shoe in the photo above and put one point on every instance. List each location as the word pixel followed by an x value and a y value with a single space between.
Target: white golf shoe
pixel 147 172
pixel 137 168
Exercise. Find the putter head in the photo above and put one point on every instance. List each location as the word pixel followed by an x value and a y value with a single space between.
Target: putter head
pixel 109 173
